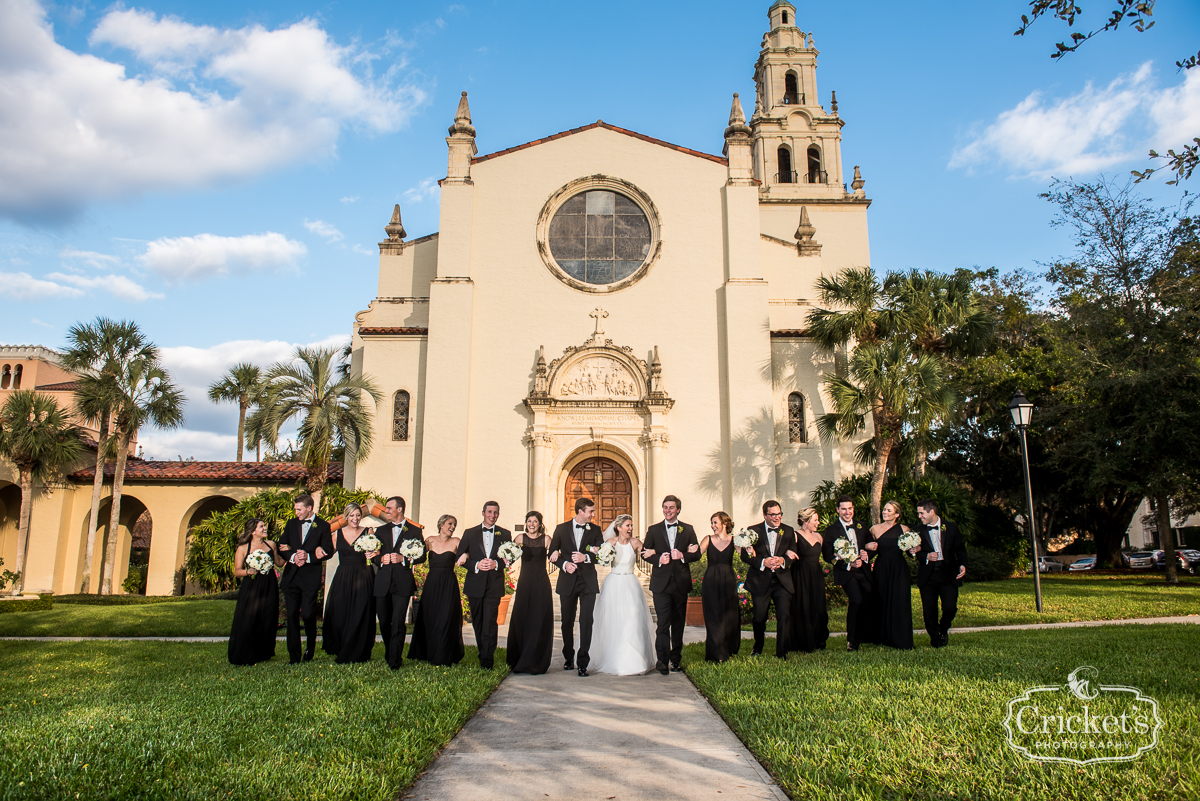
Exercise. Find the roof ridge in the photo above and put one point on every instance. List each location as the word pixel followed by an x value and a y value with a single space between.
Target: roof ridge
pixel 608 126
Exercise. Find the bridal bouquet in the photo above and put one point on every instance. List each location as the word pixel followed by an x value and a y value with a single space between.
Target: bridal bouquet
pixel 510 552
pixel 845 551
pixel 367 543
pixel 745 539
pixel 606 554
pixel 260 562
pixel 411 549
pixel 909 540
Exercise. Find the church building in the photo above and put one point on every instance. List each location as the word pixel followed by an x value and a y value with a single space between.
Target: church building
pixel 608 315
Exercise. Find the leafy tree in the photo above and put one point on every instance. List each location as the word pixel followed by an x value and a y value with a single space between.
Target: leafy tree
pixel 38 437
pixel 97 352
pixel 145 395
pixel 330 405
pixel 242 385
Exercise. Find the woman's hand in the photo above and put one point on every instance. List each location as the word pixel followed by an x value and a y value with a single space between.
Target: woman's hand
pixel 694 548
pixel 871 546
pixel 792 555
pixel 372 554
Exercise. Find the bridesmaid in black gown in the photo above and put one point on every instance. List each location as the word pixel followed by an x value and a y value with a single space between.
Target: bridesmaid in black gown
pixel 890 616
pixel 810 618
pixel 719 592
pixel 437 633
pixel 256 616
pixel 531 622
pixel 349 629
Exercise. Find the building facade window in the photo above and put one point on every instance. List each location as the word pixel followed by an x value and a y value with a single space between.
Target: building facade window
pixel 797 432
pixel 785 174
pixel 599 237
pixel 16 384
pixel 5 377
pixel 400 416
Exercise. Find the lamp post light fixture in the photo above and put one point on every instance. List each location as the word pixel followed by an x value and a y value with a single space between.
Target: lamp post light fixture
pixel 1022 413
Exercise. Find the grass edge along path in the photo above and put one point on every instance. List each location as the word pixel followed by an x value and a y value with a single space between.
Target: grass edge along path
pixel 176 720
pixel 927 723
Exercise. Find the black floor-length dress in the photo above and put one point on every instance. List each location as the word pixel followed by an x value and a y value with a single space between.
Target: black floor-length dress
pixel 349 629
pixel 255 619
pixel 719 598
pixel 437 633
pixel 531 621
pixel 810 618
pixel 889 617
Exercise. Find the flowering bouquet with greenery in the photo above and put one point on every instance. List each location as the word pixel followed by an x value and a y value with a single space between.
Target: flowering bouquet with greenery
pixel 509 552
pixel 606 554
pixel 411 549
pixel 745 539
pixel 259 562
pixel 909 540
pixel 367 542
pixel 845 551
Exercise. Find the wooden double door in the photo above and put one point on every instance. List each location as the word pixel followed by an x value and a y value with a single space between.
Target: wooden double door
pixel 606 483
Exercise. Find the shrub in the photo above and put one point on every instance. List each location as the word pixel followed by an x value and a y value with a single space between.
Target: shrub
pixel 211 544
pixel 7 577
pixel 987 564
pixel 25 606
pixel 135 581
pixel 954 503
pixel 138 600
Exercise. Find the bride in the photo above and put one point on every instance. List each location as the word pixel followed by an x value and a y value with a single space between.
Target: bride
pixel 622 633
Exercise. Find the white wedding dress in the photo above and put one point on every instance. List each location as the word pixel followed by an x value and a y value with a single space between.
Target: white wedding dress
pixel 622 631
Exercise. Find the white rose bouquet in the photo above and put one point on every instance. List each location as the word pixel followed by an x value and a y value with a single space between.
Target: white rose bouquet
pixel 745 539
pixel 367 542
pixel 606 554
pixel 845 551
pixel 909 540
pixel 259 562
pixel 411 549
pixel 510 552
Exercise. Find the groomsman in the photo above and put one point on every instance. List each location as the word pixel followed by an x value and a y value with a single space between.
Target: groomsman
pixel 394 583
pixel 484 586
pixel 577 584
pixel 769 580
pixel 307 541
pixel 854 578
pixel 669 546
pixel 942 561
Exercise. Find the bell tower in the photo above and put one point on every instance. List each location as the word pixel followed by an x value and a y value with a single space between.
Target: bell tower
pixel 797 143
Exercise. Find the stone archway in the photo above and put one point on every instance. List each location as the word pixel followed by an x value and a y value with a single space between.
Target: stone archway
pixel 133 510
pixel 612 493
pixel 10 511
pixel 197 514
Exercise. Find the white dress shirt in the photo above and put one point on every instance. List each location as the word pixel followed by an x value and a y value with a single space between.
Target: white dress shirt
pixel 772 538
pixel 935 537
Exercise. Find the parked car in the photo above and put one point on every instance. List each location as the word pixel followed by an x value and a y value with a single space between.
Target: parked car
pixel 1086 563
pixel 1139 560
pixel 1189 560
pixel 1160 560
pixel 1048 565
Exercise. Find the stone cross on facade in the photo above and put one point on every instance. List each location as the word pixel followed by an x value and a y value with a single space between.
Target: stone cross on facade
pixel 598 314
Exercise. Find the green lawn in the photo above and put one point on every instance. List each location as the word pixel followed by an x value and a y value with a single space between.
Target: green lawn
pixel 1064 599
pixel 176 720
pixel 184 619
pixel 927 723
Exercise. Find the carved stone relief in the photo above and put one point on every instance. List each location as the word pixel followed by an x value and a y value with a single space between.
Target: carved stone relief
pixel 598 377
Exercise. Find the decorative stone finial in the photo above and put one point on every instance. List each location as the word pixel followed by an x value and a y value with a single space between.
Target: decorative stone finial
pixel 395 229
pixel 655 373
pixel 541 379
pixel 805 232
pixel 737 120
pixel 809 42
pixel 462 119
pixel 858 182
pixel 833 104
pixel 541 361
pixel 598 314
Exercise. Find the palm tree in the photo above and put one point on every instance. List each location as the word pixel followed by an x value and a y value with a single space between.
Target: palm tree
pixel 145 394
pixel 97 353
pixel 241 385
pixel 37 436
pixel 329 403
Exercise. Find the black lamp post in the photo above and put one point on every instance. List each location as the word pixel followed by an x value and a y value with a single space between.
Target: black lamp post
pixel 1022 412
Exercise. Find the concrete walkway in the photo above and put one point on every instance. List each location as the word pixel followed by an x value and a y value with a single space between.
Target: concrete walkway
pixel 691 634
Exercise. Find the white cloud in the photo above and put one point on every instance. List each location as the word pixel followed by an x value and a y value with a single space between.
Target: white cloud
pixel 1082 133
pixel 212 104
pixel 364 251
pixel 91 258
pixel 427 188
pixel 118 285
pixel 207 255
pixel 351 199
pixel 36 321
pixel 323 229
pixel 204 446
pixel 24 286
pixel 1176 111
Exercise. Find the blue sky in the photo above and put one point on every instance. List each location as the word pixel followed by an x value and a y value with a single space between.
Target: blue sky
pixel 222 175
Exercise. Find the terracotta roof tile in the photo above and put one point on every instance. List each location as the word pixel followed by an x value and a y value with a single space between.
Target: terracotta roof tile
pixel 366 332
pixel 64 386
pixel 602 124
pixel 230 472
pixel 789 332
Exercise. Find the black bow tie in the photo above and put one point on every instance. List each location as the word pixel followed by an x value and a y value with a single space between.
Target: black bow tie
pixel 489 531
pixel 770 530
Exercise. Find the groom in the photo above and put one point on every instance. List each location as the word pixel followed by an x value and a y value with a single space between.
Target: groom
pixel 768 578
pixel 577 585
pixel 394 583
pixel 484 585
pixel 942 561
pixel 307 541
pixel 669 546
pixel 854 578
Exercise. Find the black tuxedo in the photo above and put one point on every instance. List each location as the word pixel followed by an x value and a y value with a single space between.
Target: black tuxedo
pixel 299 585
pixel 576 591
pixel 939 579
pixel 484 589
pixel 856 581
pixel 767 586
pixel 670 585
pixel 394 587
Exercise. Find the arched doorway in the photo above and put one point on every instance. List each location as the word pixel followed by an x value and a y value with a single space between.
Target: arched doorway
pixel 606 483
pixel 10 510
